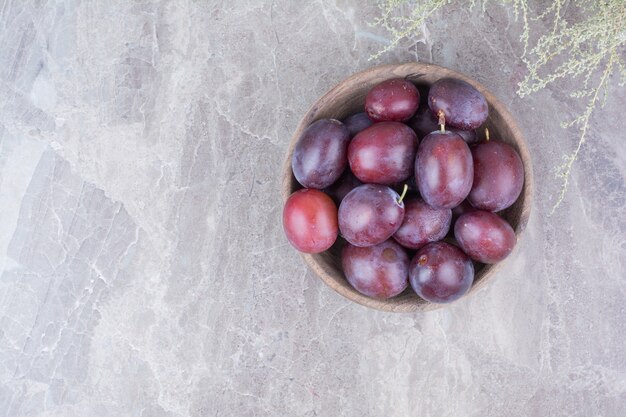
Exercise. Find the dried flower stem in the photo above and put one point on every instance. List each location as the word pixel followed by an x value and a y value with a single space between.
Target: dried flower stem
pixel 564 170
pixel 585 49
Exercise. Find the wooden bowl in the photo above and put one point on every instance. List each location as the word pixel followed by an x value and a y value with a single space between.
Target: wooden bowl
pixel 347 98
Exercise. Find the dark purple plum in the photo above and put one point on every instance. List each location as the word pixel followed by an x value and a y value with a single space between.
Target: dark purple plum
pixel 310 221
pixel 380 271
pixel 424 122
pixel 441 273
pixel 370 214
pixel 444 169
pixel 422 224
pixel 320 155
pixel 461 209
pixel 383 153
pixel 462 105
pixel 340 188
pixel 392 100
pixel 469 136
pixel 498 176
pixel 357 122
pixel 484 236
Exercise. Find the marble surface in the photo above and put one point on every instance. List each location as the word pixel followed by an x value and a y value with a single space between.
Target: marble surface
pixel 143 268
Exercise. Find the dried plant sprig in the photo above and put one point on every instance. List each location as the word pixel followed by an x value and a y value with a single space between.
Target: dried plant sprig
pixel 585 49
pixel 564 170
pixel 521 6
pixel 591 48
pixel 402 25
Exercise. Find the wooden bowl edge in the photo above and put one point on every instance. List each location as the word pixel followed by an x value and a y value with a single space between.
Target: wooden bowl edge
pixel 490 271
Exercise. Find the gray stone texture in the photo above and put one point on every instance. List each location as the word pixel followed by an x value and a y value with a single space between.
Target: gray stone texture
pixel 143 267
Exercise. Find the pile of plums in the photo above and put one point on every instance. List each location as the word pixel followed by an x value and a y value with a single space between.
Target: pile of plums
pixel 411 189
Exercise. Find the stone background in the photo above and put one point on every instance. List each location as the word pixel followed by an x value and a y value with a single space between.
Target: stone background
pixel 143 268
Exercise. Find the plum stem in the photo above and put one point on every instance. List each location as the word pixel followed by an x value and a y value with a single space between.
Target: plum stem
pixel 406 187
pixel 442 120
pixel 487 134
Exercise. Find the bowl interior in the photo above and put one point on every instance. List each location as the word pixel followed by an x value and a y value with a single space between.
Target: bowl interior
pixel 347 98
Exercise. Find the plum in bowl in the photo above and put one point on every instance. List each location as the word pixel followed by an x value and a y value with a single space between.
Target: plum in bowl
pixel 348 98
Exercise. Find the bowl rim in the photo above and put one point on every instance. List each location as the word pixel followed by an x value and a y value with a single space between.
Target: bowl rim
pixel 408 70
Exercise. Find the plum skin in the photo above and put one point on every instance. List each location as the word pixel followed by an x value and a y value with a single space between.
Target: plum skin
pixel 370 214
pixel 321 153
pixel 380 271
pixel 357 122
pixel 422 224
pixel 310 221
pixel 498 176
pixel 395 99
pixel 444 169
pixel 484 236
pixel 463 106
pixel 383 153
pixel 441 273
